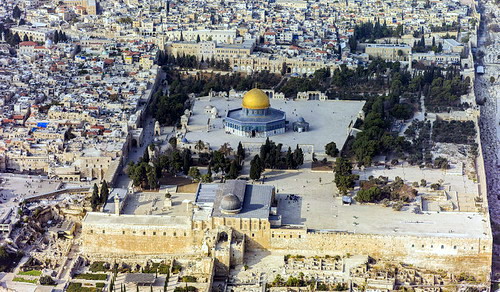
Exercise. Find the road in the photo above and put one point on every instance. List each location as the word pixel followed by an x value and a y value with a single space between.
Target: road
pixel 137 152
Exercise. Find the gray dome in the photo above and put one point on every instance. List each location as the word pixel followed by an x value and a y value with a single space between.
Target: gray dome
pixel 230 204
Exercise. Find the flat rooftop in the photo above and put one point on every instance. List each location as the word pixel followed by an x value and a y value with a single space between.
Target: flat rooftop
pixel 318 206
pixel 144 220
pixel 151 203
pixel 328 121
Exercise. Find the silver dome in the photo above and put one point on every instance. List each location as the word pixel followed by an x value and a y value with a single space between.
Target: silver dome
pixel 230 204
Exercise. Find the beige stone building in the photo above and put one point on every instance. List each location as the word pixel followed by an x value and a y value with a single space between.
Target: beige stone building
pixel 390 52
pixel 89 5
pixel 175 226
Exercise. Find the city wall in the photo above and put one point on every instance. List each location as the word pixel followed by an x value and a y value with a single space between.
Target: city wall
pixel 456 254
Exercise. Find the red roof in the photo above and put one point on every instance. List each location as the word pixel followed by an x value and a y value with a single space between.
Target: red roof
pixel 27 44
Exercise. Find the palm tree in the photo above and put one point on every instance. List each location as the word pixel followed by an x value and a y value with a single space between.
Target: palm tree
pixel 200 145
pixel 225 149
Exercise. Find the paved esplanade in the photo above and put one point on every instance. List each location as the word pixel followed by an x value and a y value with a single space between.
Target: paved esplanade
pixel 329 121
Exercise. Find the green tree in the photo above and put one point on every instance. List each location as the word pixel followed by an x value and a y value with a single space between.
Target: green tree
pixel 233 170
pixel 298 156
pixel 372 194
pixel 240 152
pixel 255 168
pixel 344 179
pixel 194 172
pixel 331 149
pixel 94 200
pixel 16 12
pixel 46 280
pixel 104 194
pixel 145 157
pixel 187 161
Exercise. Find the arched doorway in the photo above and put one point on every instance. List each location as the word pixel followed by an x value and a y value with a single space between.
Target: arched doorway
pixel 134 143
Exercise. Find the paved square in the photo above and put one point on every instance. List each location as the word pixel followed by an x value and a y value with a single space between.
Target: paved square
pixel 329 121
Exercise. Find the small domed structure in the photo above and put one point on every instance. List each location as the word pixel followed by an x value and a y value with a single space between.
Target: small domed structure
pixel 255 99
pixel 230 204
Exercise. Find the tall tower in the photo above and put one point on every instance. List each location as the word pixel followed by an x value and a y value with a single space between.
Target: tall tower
pixel 117 205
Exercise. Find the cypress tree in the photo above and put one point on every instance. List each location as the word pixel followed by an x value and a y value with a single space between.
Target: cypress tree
pixel 145 157
pixel 104 192
pixel 94 200
pixel 255 168
pixel 240 152
pixel 233 170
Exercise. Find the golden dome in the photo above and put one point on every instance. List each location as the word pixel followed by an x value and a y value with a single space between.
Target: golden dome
pixel 255 99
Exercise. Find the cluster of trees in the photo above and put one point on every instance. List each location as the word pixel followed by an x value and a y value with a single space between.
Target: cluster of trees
pixel 344 83
pixel 148 171
pixel 99 197
pixel 203 84
pixel 442 91
pixel 344 179
pixel 420 46
pixel 167 109
pixel 380 112
pixel 454 26
pixel 378 189
pixel 292 281
pixel 418 136
pixel 59 36
pixel 146 174
pixel 318 81
pixel 441 162
pixel 220 162
pixel 369 32
pixel 458 132
pixel 272 156
pixel 10 38
pixel 191 62
pixel 356 83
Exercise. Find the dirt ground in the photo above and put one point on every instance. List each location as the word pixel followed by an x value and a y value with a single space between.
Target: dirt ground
pixel 320 166
pixel 184 185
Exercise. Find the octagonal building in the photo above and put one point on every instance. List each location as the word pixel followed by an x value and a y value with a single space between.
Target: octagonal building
pixel 256 117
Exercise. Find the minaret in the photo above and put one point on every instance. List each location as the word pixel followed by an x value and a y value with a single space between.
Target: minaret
pixel 117 205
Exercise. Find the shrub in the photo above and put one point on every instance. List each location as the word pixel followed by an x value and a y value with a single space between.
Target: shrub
pixel 99 267
pixel 189 279
pixel 369 195
pixel 47 280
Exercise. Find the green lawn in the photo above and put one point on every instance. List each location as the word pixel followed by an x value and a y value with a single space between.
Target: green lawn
pixel 19 279
pixel 92 276
pixel 77 287
pixel 30 273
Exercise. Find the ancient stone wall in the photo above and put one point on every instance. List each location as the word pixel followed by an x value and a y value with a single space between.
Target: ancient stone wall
pixel 133 239
pixel 471 255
